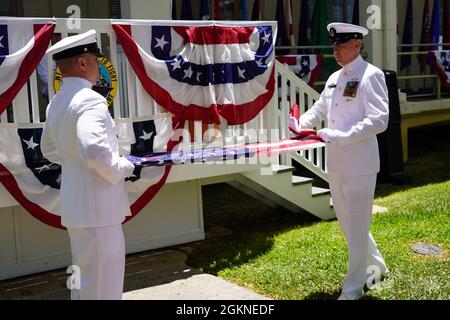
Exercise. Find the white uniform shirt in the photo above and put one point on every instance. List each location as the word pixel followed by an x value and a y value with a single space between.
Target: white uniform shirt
pixel 359 115
pixel 80 135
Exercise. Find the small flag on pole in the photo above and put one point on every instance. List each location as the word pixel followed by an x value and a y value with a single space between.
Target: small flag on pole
pixel 290 25
pixel 204 10
pixel 425 35
pixel 282 37
pixel 319 33
pixel 447 23
pixel 355 17
pixel 256 12
pixel 186 10
pixel 405 60
pixel 304 27
pixel 244 14
pixel 174 10
pixel 217 15
pixel 435 32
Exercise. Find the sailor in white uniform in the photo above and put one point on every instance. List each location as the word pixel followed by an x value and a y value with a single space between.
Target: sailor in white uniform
pixel 80 135
pixel 355 105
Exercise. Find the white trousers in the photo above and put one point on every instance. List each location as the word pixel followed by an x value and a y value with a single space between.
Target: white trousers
pixel 352 200
pixel 100 255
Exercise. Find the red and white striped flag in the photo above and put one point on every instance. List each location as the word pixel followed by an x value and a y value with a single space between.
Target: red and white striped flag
pixel 23 43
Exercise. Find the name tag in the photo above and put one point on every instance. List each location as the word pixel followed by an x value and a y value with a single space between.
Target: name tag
pixel 351 89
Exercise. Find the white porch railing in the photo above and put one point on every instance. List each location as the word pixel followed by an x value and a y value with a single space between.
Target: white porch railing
pixel 133 101
pixel 293 90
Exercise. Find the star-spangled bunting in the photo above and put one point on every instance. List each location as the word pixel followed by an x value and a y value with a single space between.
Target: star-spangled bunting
pixel 441 61
pixel 34 181
pixel 200 71
pixel 306 67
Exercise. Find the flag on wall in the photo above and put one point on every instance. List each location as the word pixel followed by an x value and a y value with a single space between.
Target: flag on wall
pixel 23 43
pixel 34 181
pixel 435 31
pixel 319 33
pixel 304 27
pixel 204 10
pixel 174 9
pixel 306 67
pixel 199 72
pixel 446 32
pixel 282 37
pixel 244 14
pixel 405 61
pixel 319 21
pixel 425 35
pixel 217 15
pixel 186 10
pixel 355 15
pixel 441 62
pixel 289 23
pixel 256 11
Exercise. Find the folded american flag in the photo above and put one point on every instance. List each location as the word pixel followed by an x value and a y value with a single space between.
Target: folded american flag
pixel 295 144
pixel 190 156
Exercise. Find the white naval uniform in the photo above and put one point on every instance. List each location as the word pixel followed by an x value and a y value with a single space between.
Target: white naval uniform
pixel 80 135
pixel 353 159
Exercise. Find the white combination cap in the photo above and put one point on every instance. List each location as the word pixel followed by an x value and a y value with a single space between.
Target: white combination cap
pixel 342 32
pixel 75 45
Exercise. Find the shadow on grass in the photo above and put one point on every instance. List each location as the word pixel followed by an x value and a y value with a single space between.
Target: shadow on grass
pixel 323 295
pixel 251 227
pixel 429 158
pixel 333 296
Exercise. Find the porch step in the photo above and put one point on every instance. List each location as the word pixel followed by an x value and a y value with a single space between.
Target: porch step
pixel 294 193
pixel 296 180
pixel 280 169
pixel 317 192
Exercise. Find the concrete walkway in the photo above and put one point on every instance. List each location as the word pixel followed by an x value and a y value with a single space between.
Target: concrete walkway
pixel 171 279
pixel 157 274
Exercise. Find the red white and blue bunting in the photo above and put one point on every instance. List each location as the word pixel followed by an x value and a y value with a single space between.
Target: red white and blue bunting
pixel 203 70
pixel 23 43
pixel 441 60
pixel 306 67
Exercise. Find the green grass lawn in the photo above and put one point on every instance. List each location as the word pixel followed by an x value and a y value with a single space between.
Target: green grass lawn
pixel 296 256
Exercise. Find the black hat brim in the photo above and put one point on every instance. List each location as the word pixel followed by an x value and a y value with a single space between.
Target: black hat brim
pixel 343 38
pixel 75 51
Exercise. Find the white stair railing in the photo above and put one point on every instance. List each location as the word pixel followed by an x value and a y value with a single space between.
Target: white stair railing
pixel 292 90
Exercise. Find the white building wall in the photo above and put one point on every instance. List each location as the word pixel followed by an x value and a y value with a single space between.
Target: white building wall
pixel 28 246
pixel 146 9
